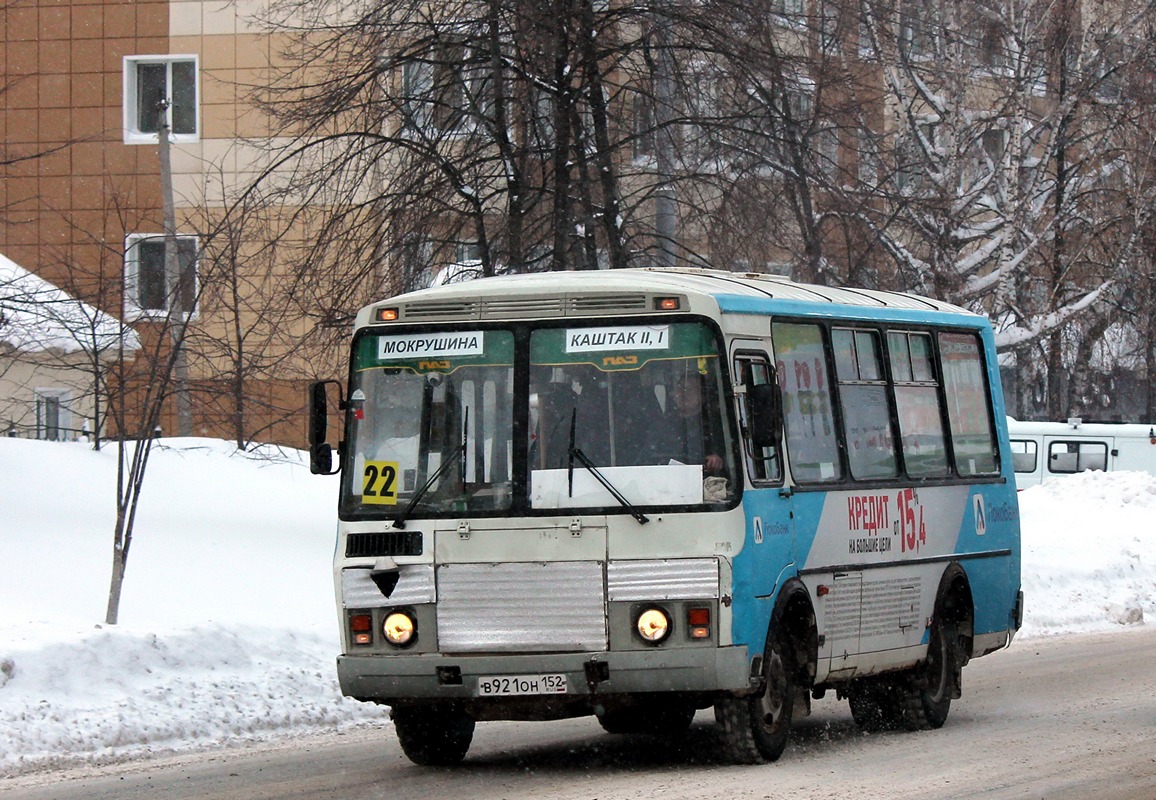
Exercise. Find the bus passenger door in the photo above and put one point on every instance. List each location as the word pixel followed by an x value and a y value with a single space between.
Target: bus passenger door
pixel 770 540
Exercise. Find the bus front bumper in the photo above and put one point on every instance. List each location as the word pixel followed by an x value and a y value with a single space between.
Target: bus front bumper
pixel 389 679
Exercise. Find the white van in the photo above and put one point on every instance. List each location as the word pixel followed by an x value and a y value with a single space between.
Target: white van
pixel 1041 450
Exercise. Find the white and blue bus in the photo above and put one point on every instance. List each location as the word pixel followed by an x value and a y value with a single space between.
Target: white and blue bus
pixel 641 493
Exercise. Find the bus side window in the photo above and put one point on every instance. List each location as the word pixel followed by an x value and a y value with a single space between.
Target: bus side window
pixel 917 404
pixel 968 409
pixel 1024 453
pixel 866 414
pixel 762 462
pixel 808 416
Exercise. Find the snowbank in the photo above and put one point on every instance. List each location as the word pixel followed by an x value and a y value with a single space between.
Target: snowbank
pixel 1089 552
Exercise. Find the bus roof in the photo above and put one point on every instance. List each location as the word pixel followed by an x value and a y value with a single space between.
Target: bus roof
pixel 633 291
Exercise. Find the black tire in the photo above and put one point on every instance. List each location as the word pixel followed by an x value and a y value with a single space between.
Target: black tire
pixel 433 736
pixel 670 718
pixel 927 703
pixel 755 728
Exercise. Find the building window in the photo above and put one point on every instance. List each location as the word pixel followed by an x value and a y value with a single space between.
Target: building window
pixel 147 292
pixel 913 156
pixel 867 161
pixel 156 87
pixel 867 33
pixel 829 20
pixel 791 9
pixel 53 418
pixel 992 46
pixel 449 91
pixel 987 153
pixel 701 104
pixel 919 30
pixel 827 150
pixel 417 263
pixel 644 124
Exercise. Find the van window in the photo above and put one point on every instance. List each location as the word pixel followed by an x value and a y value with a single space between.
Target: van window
pixel 1065 458
pixel 1024 452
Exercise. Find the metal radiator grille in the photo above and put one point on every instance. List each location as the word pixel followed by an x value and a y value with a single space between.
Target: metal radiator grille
pixel 521 607
pixel 687 579
pixel 415 585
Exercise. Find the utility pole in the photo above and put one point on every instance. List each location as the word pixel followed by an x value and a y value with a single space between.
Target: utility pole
pixel 665 215
pixel 177 315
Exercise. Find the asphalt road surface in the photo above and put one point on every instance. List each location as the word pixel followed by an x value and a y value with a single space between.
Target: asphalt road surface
pixel 1066 718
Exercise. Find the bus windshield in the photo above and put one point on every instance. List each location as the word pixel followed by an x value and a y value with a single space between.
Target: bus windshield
pixel 431 423
pixel 433 418
pixel 641 406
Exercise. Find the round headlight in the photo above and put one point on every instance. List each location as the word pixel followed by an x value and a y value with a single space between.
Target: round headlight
pixel 653 625
pixel 399 628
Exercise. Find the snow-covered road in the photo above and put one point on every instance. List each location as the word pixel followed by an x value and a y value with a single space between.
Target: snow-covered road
pixel 1060 718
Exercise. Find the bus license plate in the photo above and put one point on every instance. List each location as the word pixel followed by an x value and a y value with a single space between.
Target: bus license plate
pixel 506 685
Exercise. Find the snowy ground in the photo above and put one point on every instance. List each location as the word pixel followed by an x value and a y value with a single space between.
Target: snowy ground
pixel 228 622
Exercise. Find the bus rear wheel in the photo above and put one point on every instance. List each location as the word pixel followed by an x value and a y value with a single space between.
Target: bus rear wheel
pixel 433 736
pixel 755 727
pixel 927 702
pixel 917 700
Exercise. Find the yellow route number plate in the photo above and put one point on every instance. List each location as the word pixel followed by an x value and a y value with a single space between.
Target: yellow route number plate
pixel 379 483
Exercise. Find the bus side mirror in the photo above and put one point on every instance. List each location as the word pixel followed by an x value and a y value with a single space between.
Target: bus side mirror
pixel 320 451
pixel 766 409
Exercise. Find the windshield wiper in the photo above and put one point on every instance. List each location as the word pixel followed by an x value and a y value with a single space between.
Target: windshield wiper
pixel 457 452
pixel 576 453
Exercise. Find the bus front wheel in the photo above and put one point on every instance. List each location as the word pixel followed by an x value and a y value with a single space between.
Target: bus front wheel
pixel 433 736
pixel 755 727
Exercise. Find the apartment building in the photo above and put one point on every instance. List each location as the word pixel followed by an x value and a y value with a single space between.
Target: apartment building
pixel 81 201
pixel 879 146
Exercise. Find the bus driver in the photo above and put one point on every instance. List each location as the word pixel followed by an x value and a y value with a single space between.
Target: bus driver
pixel 695 437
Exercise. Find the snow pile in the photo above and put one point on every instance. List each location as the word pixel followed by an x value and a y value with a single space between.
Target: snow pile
pixel 228 621
pixel 98 694
pixel 1089 552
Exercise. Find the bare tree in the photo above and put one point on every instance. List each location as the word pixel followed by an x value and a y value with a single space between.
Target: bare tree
pixel 962 150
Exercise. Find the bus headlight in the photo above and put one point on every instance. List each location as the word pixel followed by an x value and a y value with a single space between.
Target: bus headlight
pixel 653 625
pixel 399 628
